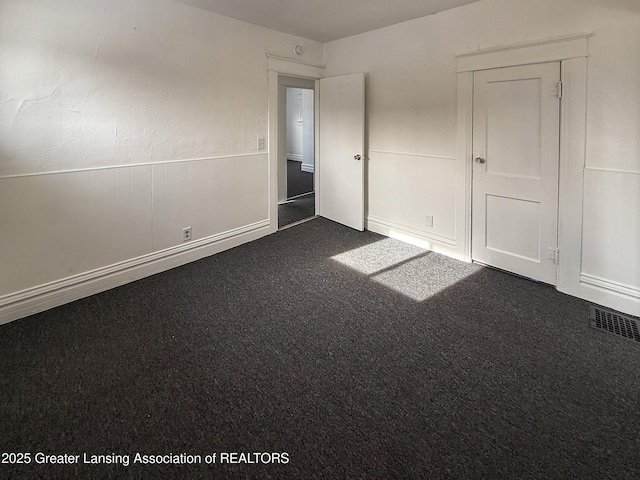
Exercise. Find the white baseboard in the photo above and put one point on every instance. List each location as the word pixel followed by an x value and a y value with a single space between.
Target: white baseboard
pixel 621 297
pixel 615 295
pixel 305 167
pixel 38 299
pixel 433 242
pixel 294 157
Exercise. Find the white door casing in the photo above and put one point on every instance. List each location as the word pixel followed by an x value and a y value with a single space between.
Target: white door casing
pixel 516 112
pixel 278 67
pixel 341 150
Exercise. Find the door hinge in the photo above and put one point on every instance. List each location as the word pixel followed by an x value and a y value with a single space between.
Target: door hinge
pixel 559 89
pixel 553 253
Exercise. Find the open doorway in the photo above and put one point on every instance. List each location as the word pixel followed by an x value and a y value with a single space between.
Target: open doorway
pixel 296 165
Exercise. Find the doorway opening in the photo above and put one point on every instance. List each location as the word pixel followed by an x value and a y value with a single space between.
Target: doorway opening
pixel 299 201
pixel 296 165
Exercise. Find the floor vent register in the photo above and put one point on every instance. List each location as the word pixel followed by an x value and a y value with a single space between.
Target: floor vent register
pixel 614 323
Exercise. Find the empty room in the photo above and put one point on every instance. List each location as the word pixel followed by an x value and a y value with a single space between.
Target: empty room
pixel 320 239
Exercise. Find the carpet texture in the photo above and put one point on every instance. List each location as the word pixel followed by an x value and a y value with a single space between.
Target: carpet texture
pixel 356 355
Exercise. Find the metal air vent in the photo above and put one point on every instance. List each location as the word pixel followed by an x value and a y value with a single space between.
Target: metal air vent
pixel 615 323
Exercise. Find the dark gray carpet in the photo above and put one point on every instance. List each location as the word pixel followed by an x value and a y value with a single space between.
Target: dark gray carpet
pixel 358 356
pixel 296 210
pixel 298 182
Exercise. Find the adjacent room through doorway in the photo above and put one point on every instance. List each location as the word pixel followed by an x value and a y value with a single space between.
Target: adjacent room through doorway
pixel 296 192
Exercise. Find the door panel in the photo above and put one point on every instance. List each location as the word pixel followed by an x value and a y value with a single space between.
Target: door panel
pixel 510 105
pixel 341 141
pixel 504 212
pixel 516 115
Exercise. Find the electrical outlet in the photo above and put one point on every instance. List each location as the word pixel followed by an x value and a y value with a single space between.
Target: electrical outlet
pixel 261 143
pixel 186 234
pixel 428 220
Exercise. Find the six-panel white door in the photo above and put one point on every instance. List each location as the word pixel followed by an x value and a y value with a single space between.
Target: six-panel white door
pixel 516 115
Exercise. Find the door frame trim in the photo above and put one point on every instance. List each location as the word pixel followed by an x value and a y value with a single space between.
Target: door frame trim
pixel 572 53
pixel 276 67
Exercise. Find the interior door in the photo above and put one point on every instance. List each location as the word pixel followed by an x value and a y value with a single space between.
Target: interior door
pixel 341 150
pixel 516 122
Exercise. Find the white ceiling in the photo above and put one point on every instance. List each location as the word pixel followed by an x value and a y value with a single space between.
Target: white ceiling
pixel 325 20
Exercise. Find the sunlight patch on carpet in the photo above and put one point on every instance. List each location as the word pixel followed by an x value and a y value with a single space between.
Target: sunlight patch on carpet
pixel 378 256
pixel 409 270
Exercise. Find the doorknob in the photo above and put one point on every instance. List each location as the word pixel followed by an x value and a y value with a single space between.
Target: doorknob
pixel 480 160
pixel 357 157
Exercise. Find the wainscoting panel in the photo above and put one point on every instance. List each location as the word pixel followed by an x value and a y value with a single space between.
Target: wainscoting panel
pixel 242 192
pixel 611 235
pixel 404 189
pixel 77 232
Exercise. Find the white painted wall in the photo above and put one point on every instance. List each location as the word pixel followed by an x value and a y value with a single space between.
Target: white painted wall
pixel 300 127
pixel 411 114
pixel 122 121
pixel 294 124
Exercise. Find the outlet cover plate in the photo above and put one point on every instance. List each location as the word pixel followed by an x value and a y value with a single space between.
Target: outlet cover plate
pixel 428 220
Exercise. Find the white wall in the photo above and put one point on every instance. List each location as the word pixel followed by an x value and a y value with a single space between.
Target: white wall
pixel 411 114
pixel 121 122
pixel 300 127
pixel 294 124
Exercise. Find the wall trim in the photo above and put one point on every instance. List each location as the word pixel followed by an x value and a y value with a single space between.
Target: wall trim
pixel 280 58
pixel 277 67
pixel 307 167
pixel 611 286
pixel 294 157
pixel 464 168
pixel 132 165
pixel 429 241
pixel 294 67
pixel 550 50
pixel 43 297
pixel 405 154
pixel 573 128
pixel 612 170
pixel 434 237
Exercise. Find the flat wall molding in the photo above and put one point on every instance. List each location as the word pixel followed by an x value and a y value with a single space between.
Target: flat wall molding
pixel 554 49
pixel 573 136
pixel 131 165
pixel 405 154
pixel 612 170
pixel 280 58
pixel 37 299
pixel 610 285
pixel 295 67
